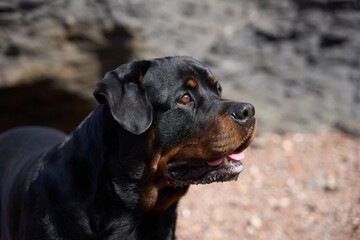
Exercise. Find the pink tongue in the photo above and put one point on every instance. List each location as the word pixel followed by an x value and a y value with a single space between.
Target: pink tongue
pixel 216 162
pixel 233 157
pixel 236 156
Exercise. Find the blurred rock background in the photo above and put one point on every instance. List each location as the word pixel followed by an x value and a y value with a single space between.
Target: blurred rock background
pixel 297 61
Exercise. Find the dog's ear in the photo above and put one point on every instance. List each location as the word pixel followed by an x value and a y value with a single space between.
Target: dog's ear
pixel 123 91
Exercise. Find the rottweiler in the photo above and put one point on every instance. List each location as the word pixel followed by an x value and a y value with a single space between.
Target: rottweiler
pixel 161 125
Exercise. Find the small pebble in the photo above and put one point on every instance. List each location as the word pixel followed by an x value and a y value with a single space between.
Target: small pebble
pixel 186 213
pixel 255 221
pixel 331 183
pixel 287 146
pixel 284 202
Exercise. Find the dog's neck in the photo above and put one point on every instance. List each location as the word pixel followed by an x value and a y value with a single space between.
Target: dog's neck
pixel 105 169
pixel 96 152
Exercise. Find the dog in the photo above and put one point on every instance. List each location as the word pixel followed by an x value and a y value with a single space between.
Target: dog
pixel 161 126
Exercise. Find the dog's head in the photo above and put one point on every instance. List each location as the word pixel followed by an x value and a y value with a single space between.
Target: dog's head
pixel 194 136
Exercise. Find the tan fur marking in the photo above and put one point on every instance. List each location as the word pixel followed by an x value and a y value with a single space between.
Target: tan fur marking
pixel 213 81
pixel 168 196
pixel 191 83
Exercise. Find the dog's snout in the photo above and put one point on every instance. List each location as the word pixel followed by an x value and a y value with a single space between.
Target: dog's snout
pixel 243 111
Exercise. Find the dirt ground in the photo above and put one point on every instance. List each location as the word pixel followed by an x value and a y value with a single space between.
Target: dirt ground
pixel 297 186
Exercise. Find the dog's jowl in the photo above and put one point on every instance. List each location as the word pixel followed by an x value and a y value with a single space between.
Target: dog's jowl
pixel 161 125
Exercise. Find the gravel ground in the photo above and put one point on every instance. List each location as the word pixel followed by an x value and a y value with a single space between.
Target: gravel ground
pixel 297 186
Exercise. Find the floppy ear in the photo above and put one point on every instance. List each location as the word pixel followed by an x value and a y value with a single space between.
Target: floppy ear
pixel 122 90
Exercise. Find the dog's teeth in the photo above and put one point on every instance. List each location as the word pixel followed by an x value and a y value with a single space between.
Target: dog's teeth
pixel 226 160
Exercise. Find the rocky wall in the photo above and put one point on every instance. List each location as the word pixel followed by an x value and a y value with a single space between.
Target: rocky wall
pixel 297 61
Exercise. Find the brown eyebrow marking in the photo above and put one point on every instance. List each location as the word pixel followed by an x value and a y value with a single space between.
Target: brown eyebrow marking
pixel 191 83
pixel 213 81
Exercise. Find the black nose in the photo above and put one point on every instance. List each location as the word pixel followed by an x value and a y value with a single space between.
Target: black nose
pixel 243 111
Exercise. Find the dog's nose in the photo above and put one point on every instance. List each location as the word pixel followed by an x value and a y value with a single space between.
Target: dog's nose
pixel 243 111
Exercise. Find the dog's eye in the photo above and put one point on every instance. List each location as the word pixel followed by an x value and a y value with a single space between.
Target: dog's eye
pixel 185 99
pixel 219 90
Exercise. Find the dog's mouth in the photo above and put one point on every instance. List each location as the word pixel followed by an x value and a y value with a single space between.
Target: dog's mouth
pixel 226 168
